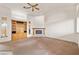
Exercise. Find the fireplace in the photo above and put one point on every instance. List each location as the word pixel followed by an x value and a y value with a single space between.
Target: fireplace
pixel 38 31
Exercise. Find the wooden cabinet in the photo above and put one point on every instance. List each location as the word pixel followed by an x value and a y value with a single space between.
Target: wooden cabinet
pixel 19 30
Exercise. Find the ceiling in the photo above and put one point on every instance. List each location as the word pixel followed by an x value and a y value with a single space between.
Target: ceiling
pixel 44 7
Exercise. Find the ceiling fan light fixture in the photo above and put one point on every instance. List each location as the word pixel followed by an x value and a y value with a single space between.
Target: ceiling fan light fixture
pixel 32 6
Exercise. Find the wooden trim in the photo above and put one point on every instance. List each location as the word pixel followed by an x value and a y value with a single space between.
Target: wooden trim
pixel 18 20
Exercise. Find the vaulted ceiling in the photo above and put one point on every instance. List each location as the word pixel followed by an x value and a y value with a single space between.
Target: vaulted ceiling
pixel 44 7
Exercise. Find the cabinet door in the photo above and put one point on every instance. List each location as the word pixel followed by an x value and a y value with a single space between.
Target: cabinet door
pixel 14 37
pixel 20 31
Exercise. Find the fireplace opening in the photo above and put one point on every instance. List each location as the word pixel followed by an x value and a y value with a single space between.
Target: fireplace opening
pixel 38 31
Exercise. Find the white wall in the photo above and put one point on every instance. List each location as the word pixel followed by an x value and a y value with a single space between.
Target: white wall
pixel 60 22
pixel 36 22
pixel 60 28
pixel 78 28
pixel 18 15
pixel 4 11
pixel 78 18
pixel 78 24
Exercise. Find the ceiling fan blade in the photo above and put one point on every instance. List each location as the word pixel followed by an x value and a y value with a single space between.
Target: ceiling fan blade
pixel 29 4
pixel 26 7
pixel 37 8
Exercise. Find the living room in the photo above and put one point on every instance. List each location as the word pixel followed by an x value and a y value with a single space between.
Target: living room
pixel 47 21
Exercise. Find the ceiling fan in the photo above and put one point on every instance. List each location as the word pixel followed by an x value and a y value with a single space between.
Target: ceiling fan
pixel 32 6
